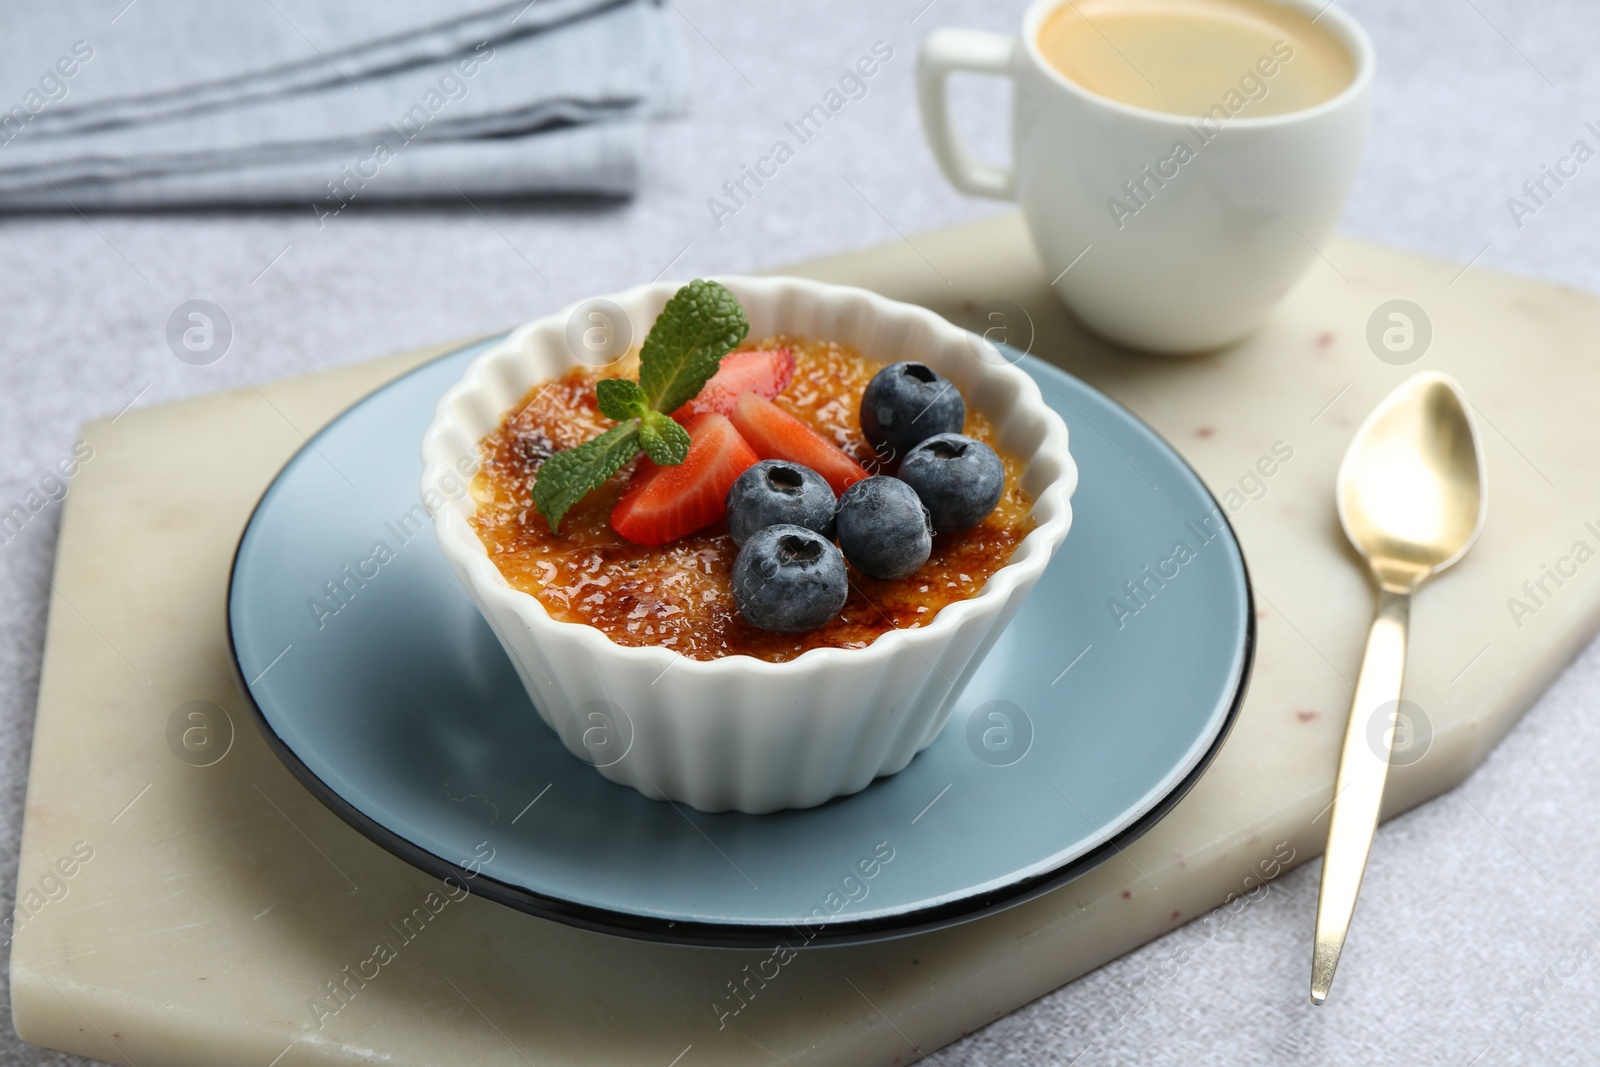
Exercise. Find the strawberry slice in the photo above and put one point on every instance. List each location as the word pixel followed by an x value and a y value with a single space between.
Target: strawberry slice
pixel 765 371
pixel 662 504
pixel 776 434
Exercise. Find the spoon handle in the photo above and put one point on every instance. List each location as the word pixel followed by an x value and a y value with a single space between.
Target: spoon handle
pixel 1358 792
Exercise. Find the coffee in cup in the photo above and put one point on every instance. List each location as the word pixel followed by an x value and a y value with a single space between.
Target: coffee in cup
pixel 1197 58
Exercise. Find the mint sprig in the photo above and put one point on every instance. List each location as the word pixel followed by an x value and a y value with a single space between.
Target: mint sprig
pixel 700 324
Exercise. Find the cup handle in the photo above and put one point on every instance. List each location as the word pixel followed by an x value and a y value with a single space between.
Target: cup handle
pixel 945 51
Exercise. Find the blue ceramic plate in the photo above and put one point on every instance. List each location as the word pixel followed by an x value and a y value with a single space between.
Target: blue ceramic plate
pixel 386 694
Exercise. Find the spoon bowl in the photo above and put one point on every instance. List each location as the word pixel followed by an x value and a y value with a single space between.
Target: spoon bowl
pixel 1411 489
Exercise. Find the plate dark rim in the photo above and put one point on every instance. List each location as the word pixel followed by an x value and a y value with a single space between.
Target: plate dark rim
pixel 738 935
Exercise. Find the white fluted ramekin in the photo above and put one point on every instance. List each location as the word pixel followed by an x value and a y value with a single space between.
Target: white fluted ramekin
pixel 738 732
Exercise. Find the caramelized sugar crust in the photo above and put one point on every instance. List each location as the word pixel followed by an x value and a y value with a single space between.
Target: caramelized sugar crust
pixel 680 596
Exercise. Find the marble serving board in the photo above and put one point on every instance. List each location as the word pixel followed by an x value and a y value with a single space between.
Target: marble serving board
pixel 205 914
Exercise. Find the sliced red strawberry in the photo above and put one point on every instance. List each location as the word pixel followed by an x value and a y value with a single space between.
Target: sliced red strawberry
pixel 662 504
pixel 776 434
pixel 765 371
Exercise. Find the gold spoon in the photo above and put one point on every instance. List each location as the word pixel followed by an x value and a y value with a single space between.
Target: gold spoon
pixel 1411 498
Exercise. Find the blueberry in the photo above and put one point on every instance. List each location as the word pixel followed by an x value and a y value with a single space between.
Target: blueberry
pixel 787 579
pixel 907 403
pixel 775 491
pixel 883 528
pixel 959 480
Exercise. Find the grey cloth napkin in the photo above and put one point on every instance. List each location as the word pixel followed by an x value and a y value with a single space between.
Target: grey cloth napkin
pixel 184 102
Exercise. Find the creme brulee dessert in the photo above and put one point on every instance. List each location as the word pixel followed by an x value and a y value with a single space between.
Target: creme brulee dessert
pixel 731 549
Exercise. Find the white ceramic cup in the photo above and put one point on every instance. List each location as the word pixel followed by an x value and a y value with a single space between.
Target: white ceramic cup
pixel 1200 250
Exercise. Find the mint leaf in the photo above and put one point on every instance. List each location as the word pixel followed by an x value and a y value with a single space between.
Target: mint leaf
pixel 664 441
pixel 620 398
pixel 699 325
pixel 567 477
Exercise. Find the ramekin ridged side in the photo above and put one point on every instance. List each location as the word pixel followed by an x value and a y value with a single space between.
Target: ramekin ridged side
pixel 738 732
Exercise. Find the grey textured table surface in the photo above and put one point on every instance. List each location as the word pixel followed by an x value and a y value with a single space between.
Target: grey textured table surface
pixel 1479 931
